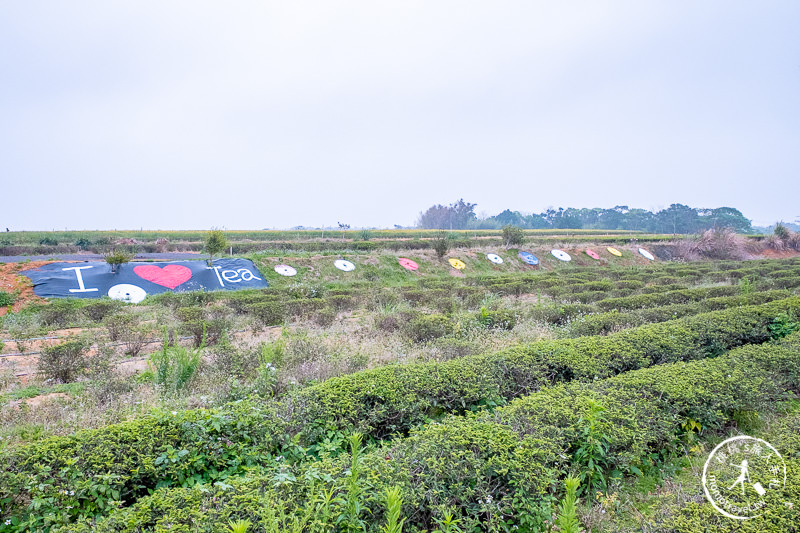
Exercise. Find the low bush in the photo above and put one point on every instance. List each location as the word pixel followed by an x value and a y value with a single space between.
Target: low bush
pixel 205 325
pixel 502 470
pixel 61 312
pixel 118 324
pixel 392 400
pixel 428 327
pixel 65 362
pixel 97 310
pixel 268 313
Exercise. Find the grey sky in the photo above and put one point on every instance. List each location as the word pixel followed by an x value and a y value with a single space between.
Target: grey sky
pixel 195 114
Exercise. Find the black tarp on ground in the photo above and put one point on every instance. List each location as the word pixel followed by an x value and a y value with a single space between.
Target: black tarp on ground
pixel 95 279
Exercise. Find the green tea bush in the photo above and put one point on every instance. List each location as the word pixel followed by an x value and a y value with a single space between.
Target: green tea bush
pixel 118 324
pixel 386 400
pixel 393 400
pixel 501 470
pixel 205 325
pixel 304 306
pixel 65 362
pixel 324 317
pixel 97 310
pixel 61 312
pixel 428 327
pixel 268 313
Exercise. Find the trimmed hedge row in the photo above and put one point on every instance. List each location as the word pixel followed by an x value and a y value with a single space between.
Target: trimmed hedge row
pixel 605 323
pixel 392 399
pixel 379 402
pixel 499 470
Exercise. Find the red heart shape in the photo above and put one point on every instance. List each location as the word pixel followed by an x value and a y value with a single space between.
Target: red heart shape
pixel 170 276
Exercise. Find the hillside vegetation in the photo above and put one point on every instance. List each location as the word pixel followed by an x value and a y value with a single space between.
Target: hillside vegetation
pixel 387 400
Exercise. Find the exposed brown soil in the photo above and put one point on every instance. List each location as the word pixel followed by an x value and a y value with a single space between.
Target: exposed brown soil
pixel 13 282
pixel 769 253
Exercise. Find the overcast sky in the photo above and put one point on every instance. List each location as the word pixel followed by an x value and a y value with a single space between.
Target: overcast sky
pixel 249 115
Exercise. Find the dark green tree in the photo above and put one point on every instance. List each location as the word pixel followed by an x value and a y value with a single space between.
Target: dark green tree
pixel 215 244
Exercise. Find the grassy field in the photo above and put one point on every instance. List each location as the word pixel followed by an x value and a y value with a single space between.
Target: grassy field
pixel 453 401
pixel 300 241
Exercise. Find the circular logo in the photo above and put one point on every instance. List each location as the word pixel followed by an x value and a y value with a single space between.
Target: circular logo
pixel 739 474
pixel 457 263
pixel 127 293
pixel 561 255
pixel 528 258
pixel 285 270
pixel 408 264
pixel 344 265
pixel 494 258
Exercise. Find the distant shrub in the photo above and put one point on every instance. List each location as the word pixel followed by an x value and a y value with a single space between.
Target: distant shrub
pixel 48 241
pixel 513 235
pixel 268 313
pixel 428 327
pixel 83 243
pixel 324 317
pixel 365 234
pixel 215 243
pixel 116 257
pixel 440 243
pixel 206 326
pixel 60 312
pixel 98 310
pixel 64 362
pixel 118 324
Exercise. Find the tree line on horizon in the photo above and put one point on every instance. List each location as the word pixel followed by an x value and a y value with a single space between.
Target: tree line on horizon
pixel 676 219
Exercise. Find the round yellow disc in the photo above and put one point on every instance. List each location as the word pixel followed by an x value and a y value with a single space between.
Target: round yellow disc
pixel 457 263
pixel 614 251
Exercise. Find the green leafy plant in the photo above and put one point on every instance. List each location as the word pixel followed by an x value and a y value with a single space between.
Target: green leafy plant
pixel 352 502
pixel 64 362
pixel 115 258
pixel 239 526
pixel 567 519
pixel 783 325
pixel 513 235
pixel 448 524
pixel 440 243
pixel 6 299
pixel 394 504
pixel 591 455
pixel 174 366
pixel 365 234
pixel 214 244
pixel 746 286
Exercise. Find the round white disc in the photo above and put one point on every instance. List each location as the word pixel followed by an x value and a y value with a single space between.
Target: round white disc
pixel 561 255
pixel 127 293
pixel 285 270
pixel 494 258
pixel 342 264
pixel 646 254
